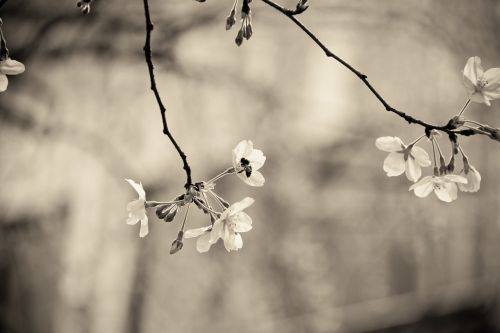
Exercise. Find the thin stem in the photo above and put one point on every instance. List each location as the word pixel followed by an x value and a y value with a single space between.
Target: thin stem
pixel 220 175
pixel 216 197
pixel 185 217
pixel 205 207
pixel 474 122
pixel 448 128
pixel 434 152
pixel 416 140
pixel 464 107
pixel 151 204
pixel 149 61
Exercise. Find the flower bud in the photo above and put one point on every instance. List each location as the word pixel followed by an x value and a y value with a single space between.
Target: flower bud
pixel 176 246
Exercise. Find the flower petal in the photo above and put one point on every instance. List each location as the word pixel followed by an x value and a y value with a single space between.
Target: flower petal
pixel 473 69
pixel 4 82
pixel 217 230
pixel 455 179
pixel 413 171
pixel 233 242
pixel 394 164
pixel 144 227
pixel 242 148
pixel 132 220
pixel 473 181
pixel 421 156
pixel 256 179
pixel 240 206
pixel 256 159
pixel 492 76
pixel 203 243
pixel 389 144
pixel 192 233
pixel 11 67
pixel 446 192
pixel 469 85
pixel 244 222
pixel 138 188
pixel 423 187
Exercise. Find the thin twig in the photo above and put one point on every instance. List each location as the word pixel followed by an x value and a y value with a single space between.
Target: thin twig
pixel 448 128
pixel 149 61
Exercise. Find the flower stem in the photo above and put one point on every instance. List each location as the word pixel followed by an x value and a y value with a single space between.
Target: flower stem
pixel 416 140
pixel 185 217
pixel 464 108
pixel 226 172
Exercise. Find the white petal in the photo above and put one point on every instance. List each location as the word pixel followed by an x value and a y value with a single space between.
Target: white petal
pixel 243 222
pixel 138 188
pixel 413 171
pixel 240 205
pixel 132 220
pixel 423 187
pixel 446 192
pixel 473 181
pixel 394 164
pixel 492 75
pixel 478 98
pixel 473 69
pixel 4 82
pixel 144 227
pixel 11 67
pixel 469 85
pixel 233 242
pixel 192 233
pixel 203 243
pixel 217 230
pixel 389 144
pixel 455 179
pixel 256 159
pixel 241 149
pixel 256 179
pixel 421 156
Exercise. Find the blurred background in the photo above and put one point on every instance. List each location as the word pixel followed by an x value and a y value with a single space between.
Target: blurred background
pixel 336 247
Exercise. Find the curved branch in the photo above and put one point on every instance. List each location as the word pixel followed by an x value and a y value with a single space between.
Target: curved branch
pixel 163 110
pixel 450 128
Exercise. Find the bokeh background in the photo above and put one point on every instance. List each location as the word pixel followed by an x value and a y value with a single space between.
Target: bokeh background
pixel 336 245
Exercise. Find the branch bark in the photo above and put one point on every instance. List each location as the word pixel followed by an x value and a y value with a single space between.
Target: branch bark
pixel 154 88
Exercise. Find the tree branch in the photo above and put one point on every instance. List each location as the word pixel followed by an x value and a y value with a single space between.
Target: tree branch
pixel 450 128
pixel 149 61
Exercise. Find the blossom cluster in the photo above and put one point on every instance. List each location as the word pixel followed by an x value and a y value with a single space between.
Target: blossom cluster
pixel 482 87
pixel 227 221
pixel 246 30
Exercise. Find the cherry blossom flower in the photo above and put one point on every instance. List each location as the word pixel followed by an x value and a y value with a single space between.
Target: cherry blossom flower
pixel 409 159
pixel 482 86
pixel 137 209
pixel 230 224
pixel 247 161
pixel 9 67
pixel 473 180
pixel 445 187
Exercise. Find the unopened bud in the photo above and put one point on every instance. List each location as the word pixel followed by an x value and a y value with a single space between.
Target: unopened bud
pixel 176 246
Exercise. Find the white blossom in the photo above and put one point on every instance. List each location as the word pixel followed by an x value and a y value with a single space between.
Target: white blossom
pixel 9 67
pixel 409 159
pixel 247 161
pixel 473 180
pixel 445 187
pixel 482 86
pixel 137 209
pixel 230 224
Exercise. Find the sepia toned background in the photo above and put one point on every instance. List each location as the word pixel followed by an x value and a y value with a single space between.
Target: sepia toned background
pixel 336 245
